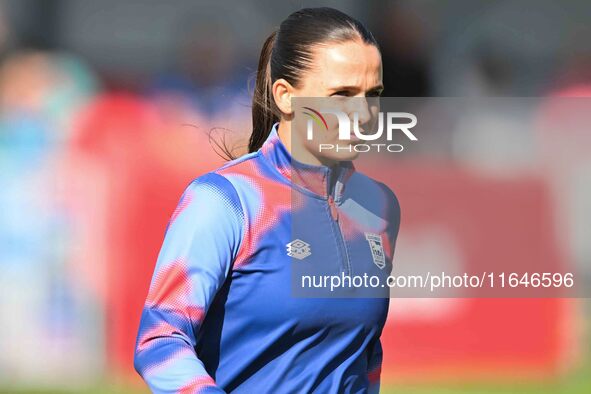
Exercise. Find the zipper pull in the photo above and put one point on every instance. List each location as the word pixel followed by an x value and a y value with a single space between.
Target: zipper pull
pixel 334 212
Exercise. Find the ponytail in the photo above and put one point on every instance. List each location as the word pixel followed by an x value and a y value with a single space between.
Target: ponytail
pixel 264 110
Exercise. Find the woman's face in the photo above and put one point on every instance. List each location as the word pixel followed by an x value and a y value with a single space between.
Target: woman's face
pixel 350 74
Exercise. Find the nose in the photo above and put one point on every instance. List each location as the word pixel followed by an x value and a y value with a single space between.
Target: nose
pixel 360 113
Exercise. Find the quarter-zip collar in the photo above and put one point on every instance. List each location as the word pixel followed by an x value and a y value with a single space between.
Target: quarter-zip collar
pixel 320 180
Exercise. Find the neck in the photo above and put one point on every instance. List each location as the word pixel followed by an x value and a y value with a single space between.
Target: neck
pixel 302 153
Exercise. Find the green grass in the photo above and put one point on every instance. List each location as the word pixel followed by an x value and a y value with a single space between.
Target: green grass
pixel 577 384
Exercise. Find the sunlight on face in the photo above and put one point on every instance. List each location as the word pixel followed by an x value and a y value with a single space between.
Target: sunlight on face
pixel 349 73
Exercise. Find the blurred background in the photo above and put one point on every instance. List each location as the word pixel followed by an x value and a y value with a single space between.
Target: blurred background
pixel 106 113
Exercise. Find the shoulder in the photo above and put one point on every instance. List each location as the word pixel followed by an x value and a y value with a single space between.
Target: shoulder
pixel 391 198
pixel 219 182
pixel 222 189
pixel 208 196
pixel 239 163
pixel 375 190
pixel 375 193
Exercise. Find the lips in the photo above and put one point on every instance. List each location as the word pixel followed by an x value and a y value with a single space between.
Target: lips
pixel 354 137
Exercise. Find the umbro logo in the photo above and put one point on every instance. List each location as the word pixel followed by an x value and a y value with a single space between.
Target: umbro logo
pixel 298 249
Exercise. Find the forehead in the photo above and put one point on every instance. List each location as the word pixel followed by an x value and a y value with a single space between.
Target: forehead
pixel 348 63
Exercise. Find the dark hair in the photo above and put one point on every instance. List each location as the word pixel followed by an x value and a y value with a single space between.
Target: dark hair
pixel 288 51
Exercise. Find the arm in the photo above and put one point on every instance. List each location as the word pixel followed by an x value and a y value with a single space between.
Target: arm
pixel 374 367
pixel 393 216
pixel 375 357
pixel 201 241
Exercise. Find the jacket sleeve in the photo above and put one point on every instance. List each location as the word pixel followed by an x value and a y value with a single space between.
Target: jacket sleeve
pixel 201 241
pixel 393 215
pixel 374 367
pixel 375 358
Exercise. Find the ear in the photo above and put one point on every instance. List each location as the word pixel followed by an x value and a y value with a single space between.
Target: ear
pixel 282 93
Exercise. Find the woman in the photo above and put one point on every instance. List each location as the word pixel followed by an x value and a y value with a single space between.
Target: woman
pixel 219 315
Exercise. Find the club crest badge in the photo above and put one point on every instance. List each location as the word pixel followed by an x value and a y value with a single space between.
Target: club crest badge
pixel 377 249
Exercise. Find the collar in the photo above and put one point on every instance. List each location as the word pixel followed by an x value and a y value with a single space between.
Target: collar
pixel 320 180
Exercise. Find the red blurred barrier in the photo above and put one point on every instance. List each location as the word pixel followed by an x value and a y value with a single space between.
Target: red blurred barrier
pixel 493 224
pixel 148 163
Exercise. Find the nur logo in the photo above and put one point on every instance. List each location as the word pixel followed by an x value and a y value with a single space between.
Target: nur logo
pixel 393 124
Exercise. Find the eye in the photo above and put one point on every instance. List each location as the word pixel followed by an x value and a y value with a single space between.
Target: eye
pixel 344 93
pixel 374 93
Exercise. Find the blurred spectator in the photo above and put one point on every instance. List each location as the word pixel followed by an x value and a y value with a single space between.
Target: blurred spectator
pixel 207 71
pixel 404 39
pixel 39 92
pixel 4 32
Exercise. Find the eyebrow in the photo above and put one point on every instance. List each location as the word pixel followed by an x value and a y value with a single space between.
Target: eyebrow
pixel 336 89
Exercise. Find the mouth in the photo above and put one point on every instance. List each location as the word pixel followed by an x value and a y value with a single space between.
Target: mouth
pixel 354 138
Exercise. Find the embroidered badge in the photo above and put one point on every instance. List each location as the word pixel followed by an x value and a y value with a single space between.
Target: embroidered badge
pixel 377 249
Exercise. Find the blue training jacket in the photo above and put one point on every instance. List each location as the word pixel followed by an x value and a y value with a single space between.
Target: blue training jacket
pixel 220 315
